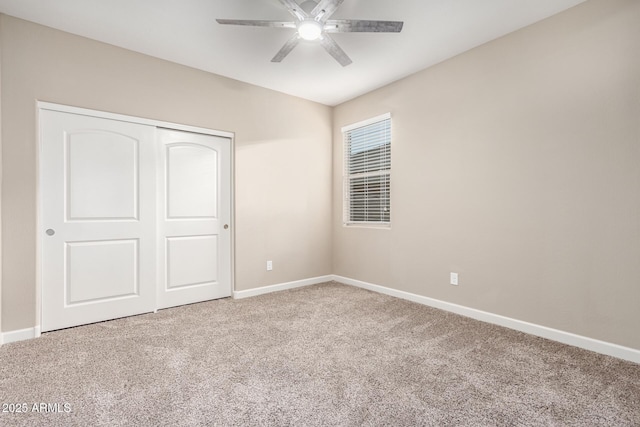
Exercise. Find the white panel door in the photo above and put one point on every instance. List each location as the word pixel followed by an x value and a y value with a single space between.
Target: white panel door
pixel 194 258
pixel 98 216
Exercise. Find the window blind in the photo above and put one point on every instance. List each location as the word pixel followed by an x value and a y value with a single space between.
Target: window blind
pixel 368 172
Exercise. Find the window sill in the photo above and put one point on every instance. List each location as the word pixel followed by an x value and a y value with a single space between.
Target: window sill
pixel 375 225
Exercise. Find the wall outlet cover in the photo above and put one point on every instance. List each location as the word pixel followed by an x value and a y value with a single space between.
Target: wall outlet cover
pixel 454 279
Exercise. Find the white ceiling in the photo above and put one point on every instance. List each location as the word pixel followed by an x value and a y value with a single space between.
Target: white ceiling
pixel 185 31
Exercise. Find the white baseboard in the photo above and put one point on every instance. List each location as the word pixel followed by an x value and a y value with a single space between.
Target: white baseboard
pixel 281 287
pixel 19 335
pixel 586 343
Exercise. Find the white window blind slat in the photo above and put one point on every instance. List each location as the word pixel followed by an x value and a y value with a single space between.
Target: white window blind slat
pixel 367 172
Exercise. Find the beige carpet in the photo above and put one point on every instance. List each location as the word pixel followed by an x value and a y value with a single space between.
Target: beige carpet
pixel 323 355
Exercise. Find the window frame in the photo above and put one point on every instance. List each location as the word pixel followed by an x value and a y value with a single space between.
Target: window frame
pixel 347 177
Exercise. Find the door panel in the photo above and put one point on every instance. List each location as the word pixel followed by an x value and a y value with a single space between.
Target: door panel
pixel 191 165
pixel 192 261
pixel 194 256
pixel 101 271
pixel 98 207
pixel 101 176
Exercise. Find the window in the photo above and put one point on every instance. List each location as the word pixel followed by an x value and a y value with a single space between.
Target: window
pixel 367 174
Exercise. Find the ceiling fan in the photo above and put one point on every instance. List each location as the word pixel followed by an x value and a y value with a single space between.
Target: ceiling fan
pixel 312 23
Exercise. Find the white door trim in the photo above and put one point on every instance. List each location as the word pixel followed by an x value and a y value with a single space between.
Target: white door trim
pixel 42 105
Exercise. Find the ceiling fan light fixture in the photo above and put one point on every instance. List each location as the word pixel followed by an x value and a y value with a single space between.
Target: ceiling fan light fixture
pixel 310 30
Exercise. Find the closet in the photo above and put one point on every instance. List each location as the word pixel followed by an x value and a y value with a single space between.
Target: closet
pixel 135 216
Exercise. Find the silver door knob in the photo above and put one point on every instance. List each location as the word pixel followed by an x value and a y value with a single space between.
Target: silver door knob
pixel 226 226
pixel 50 232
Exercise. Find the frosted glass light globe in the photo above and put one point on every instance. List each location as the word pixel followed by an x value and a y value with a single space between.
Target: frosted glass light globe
pixel 310 30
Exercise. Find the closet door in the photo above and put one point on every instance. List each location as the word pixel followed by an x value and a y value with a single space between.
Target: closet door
pixel 98 213
pixel 194 258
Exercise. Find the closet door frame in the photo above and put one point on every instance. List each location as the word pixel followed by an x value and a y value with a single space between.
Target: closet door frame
pixel 40 232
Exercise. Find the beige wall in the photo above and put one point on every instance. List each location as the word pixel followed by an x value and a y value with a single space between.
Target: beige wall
pixel 517 165
pixel 283 151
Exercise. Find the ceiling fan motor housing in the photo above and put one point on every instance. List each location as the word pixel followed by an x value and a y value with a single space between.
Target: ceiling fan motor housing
pixel 308 5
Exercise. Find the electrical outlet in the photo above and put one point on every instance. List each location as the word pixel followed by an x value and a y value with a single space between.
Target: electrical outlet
pixel 269 265
pixel 454 279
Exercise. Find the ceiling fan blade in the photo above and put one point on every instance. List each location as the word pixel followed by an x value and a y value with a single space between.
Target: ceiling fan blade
pixel 257 23
pixel 295 9
pixel 325 9
pixel 334 50
pixel 361 26
pixel 286 49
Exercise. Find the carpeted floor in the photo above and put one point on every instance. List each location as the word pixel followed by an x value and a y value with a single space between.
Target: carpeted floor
pixel 322 355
